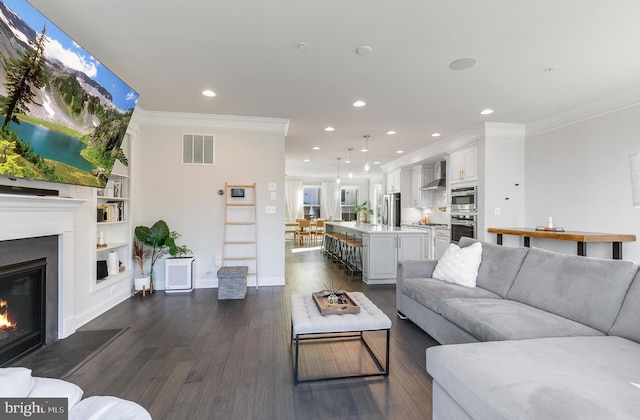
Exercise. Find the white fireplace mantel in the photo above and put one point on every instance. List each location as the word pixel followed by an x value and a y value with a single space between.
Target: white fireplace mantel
pixel 25 216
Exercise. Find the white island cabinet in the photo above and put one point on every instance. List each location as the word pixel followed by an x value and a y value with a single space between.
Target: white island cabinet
pixel 382 248
pixel 380 257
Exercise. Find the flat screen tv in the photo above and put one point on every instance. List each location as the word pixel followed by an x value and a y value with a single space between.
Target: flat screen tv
pixel 63 115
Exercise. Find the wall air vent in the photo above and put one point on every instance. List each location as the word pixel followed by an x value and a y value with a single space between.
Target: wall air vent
pixel 198 149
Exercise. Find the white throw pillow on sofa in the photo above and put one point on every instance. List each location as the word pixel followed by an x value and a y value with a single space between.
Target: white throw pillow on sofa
pixel 459 265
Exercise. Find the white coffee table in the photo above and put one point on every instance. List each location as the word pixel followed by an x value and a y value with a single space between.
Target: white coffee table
pixel 308 324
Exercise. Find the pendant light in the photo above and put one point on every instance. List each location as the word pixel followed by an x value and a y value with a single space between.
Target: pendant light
pixel 350 173
pixel 338 178
pixel 366 153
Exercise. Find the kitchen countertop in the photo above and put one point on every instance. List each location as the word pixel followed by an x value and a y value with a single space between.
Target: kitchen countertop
pixel 369 228
pixel 427 226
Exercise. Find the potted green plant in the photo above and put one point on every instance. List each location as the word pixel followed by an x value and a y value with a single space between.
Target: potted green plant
pixel 159 241
pixel 362 212
pixel 141 255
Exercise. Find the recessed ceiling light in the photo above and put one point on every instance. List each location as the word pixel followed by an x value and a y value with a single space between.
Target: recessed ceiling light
pixel 329 129
pixel 376 163
pixel 399 151
pixel 462 63
pixel 316 148
pixel 359 104
pixel 364 150
pixel 307 160
pixel 391 132
pixel 486 112
pixel 435 135
pixel 208 93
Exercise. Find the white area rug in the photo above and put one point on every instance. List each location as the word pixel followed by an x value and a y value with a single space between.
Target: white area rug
pixel 306 249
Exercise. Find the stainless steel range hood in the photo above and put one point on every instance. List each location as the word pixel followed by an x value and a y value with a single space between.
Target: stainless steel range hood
pixel 441 174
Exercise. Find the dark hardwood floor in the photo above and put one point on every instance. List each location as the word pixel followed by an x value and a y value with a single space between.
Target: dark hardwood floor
pixel 191 356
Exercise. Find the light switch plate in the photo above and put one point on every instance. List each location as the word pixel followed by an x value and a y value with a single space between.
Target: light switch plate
pixel 273 195
pixel 269 209
pixel 271 186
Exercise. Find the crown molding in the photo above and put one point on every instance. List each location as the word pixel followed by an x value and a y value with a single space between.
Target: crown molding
pixel 504 130
pixel 436 149
pixel 603 106
pixel 224 122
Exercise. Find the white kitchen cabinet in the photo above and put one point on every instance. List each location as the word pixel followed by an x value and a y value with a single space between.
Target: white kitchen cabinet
pixel 381 261
pixel 442 242
pixel 410 247
pixel 463 165
pixel 393 181
pixel 420 176
pixel 429 245
pixel 416 183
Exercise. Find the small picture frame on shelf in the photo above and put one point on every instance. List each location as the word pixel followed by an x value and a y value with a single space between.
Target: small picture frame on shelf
pixel 117 188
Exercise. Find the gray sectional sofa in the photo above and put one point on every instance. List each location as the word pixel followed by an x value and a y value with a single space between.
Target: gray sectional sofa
pixel 542 335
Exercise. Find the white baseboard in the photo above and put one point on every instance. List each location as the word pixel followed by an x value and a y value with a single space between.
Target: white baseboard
pixel 209 283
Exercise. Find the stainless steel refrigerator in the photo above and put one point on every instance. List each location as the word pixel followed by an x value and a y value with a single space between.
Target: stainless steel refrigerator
pixel 391 209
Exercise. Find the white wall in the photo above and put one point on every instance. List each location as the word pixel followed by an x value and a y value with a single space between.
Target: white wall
pixel 186 196
pixel 579 175
pixel 501 183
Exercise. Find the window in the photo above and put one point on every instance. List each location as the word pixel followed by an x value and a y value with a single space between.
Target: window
pixel 348 199
pixel 311 201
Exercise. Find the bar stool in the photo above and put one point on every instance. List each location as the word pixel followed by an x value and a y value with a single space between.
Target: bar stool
pixel 354 257
pixel 329 244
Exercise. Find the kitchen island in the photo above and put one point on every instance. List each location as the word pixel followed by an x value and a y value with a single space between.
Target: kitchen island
pixel 382 248
pixel 582 238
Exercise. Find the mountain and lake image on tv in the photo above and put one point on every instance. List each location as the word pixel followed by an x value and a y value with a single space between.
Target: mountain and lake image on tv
pixel 63 115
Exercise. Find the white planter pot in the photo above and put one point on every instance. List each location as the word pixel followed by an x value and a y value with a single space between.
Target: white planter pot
pixel 142 282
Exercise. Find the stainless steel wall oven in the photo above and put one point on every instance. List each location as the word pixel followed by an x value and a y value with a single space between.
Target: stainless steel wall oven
pixel 463 225
pixel 464 199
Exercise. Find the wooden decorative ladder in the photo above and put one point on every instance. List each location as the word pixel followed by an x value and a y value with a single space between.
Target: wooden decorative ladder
pixel 240 237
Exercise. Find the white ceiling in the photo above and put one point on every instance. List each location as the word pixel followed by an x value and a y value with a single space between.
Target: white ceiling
pixel 247 52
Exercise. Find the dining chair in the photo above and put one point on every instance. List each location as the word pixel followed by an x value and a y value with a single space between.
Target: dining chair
pixel 304 231
pixel 296 230
pixel 318 231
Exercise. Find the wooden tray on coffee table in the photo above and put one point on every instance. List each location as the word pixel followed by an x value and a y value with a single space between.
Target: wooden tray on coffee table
pixel 351 307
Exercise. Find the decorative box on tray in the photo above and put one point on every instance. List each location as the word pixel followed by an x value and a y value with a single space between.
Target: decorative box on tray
pixel 345 305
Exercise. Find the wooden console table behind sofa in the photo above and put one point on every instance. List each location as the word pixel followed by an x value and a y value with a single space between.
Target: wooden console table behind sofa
pixel 580 237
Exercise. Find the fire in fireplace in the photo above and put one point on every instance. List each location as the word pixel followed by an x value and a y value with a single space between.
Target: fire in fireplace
pixel 22 308
pixel 5 322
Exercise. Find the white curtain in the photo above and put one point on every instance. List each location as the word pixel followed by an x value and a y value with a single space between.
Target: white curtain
pixel 293 200
pixel 330 201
